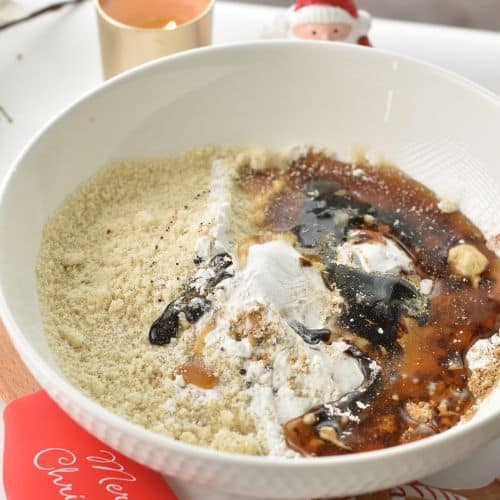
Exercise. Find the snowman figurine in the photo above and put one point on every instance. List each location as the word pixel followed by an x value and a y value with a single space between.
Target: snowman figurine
pixel 328 20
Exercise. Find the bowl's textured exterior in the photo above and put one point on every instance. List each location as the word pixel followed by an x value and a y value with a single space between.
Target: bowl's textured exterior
pixel 438 127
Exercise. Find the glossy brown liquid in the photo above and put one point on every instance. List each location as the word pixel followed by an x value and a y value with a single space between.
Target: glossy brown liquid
pixel 427 362
pixel 196 373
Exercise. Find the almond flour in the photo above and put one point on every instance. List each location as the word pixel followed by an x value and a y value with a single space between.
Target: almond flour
pixel 112 256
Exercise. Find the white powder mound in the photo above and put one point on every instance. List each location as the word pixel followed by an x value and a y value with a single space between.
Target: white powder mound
pixel 217 240
pixel 270 291
pixel 381 255
pixel 483 353
pixel 426 286
pixel 296 376
pixel 483 361
pixel 274 275
pixel 448 206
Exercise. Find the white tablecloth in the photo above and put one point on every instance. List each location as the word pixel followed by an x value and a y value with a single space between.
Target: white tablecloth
pixel 47 63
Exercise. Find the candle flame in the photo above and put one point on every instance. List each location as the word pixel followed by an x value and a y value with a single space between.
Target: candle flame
pixel 171 25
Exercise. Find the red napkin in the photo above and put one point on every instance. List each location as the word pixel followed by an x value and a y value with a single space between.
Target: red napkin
pixel 49 456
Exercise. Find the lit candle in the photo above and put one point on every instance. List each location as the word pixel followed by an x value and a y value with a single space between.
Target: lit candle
pixel 171 25
pixel 136 31
pixel 154 14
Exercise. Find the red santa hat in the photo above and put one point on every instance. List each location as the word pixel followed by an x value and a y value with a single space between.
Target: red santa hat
pixel 323 11
pixel 331 11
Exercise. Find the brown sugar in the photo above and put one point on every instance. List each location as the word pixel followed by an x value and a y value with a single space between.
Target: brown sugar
pixel 420 412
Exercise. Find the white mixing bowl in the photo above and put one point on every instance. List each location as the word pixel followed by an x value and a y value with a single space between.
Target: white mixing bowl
pixel 441 129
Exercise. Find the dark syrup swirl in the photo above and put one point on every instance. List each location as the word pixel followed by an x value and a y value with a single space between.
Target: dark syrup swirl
pixel 328 214
pixel 374 303
pixel 192 302
pixel 424 341
pixel 310 336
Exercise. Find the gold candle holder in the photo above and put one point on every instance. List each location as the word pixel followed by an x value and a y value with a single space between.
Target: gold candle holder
pixel 124 46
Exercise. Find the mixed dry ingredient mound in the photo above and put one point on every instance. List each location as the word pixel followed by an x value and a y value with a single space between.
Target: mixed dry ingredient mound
pixel 264 303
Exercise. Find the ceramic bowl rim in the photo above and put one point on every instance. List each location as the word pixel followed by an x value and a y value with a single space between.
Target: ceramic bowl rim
pixel 37 363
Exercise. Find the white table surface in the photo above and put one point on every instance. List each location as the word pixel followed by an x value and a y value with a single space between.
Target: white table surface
pixel 49 62
pixel 60 59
